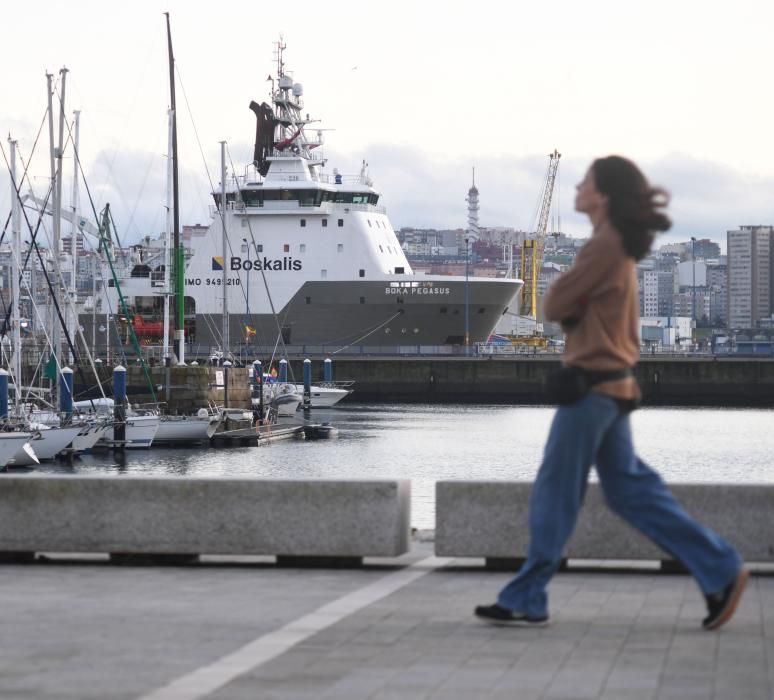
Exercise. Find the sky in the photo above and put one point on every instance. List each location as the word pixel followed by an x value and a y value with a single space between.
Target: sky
pixel 422 91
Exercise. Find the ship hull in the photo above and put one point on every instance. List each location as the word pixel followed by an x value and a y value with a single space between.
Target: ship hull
pixel 382 313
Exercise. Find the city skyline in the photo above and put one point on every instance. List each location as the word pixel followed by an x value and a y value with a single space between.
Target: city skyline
pixel 422 101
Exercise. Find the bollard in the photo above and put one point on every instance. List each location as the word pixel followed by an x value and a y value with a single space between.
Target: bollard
pixel 283 371
pixel 307 386
pixel 66 394
pixel 226 367
pixel 328 370
pixel 119 407
pixel 258 387
pixel 3 394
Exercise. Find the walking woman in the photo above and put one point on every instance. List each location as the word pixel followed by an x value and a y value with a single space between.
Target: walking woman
pixel 596 302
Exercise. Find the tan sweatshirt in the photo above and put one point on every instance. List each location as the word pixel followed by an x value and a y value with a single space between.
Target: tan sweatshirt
pixel 599 293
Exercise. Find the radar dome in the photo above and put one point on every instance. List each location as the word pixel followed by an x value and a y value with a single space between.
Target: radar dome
pixel 298 89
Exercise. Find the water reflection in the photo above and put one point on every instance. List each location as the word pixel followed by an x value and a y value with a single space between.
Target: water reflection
pixel 426 443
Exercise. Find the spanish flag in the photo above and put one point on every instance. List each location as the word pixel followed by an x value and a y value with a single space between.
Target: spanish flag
pixel 249 331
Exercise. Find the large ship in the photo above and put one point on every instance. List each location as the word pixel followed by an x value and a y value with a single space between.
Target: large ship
pixel 307 257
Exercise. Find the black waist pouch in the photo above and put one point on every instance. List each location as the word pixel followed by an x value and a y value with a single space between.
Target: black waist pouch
pixel 567 385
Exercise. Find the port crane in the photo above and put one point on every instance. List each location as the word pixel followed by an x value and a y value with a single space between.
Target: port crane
pixel 532 248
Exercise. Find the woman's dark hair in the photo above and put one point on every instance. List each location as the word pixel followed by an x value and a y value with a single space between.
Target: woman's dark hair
pixel 634 207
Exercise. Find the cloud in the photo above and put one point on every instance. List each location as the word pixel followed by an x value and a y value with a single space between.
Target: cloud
pixel 423 189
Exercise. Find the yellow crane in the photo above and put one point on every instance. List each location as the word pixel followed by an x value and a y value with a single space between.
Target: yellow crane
pixel 532 248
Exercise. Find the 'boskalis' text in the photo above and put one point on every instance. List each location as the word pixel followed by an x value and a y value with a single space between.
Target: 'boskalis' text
pixel 286 263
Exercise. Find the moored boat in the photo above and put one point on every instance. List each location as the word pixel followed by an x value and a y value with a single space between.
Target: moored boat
pixel 312 249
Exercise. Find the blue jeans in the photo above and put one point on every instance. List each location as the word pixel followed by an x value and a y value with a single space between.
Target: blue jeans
pixel 593 430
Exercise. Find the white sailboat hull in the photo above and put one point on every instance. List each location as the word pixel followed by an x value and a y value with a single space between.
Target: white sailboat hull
pixel 10 445
pixel 184 429
pixel 47 445
pixel 140 432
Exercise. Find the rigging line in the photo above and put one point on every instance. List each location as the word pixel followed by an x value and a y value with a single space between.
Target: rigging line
pixel 34 244
pixel 212 188
pixel 25 173
pixel 130 326
pixel 45 273
pixel 33 241
pixel 193 125
pixel 279 337
pixel 354 342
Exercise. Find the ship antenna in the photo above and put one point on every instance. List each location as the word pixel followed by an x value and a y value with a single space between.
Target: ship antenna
pixel 280 63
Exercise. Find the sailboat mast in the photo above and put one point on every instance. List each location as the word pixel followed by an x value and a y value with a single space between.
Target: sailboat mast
pixel 15 256
pixel 55 244
pixel 72 310
pixel 168 240
pixel 179 266
pixel 226 343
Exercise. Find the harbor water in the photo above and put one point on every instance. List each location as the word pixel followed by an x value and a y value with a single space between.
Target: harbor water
pixel 426 443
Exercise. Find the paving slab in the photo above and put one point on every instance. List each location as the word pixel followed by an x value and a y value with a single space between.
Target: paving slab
pixel 396 628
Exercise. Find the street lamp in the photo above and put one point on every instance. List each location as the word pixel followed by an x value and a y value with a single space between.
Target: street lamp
pixel 467 310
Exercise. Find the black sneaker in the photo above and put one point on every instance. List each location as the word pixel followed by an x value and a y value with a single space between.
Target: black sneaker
pixel 721 606
pixel 498 615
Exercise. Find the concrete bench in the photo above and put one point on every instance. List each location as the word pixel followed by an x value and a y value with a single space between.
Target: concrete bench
pixel 316 520
pixel 489 519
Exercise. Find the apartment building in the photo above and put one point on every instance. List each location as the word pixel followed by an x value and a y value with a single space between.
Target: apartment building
pixel 749 268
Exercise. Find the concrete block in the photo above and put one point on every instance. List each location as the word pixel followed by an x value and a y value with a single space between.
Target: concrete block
pixel 171 515
pixel 489 519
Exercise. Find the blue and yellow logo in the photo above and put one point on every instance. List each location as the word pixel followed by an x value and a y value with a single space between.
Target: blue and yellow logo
pixel 217 263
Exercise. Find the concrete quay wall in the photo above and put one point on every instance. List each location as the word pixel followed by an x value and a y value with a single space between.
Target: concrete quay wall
pixel 490 519
pixel 174 516
pixel 182 389
pixel 668 381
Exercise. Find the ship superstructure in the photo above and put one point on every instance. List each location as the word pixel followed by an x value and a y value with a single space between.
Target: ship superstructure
pixel 310 256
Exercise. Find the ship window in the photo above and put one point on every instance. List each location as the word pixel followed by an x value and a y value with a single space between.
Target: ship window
pixel 369 223
pixel 303 223
pixel 259 248
pixel 444 310
pixel 340 248
pixel 481 310
pixel 323 274
pixel 302 248
pixel 309 198
pixel 381 249
pixel 341 222
pixel 359 199
pixel 399 271
pixel 362 300
pixel 399 300
pixel 362 273
pixel 309 300
pixel 324 222
pixel 373 198
pixel 286 248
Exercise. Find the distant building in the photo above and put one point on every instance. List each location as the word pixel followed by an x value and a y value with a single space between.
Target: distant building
pixel 472 199
pixel 657 288
pixel 717 284
pixel 702 249
pixel 749 276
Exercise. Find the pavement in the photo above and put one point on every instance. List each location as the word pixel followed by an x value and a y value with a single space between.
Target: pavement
pixel 244 628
